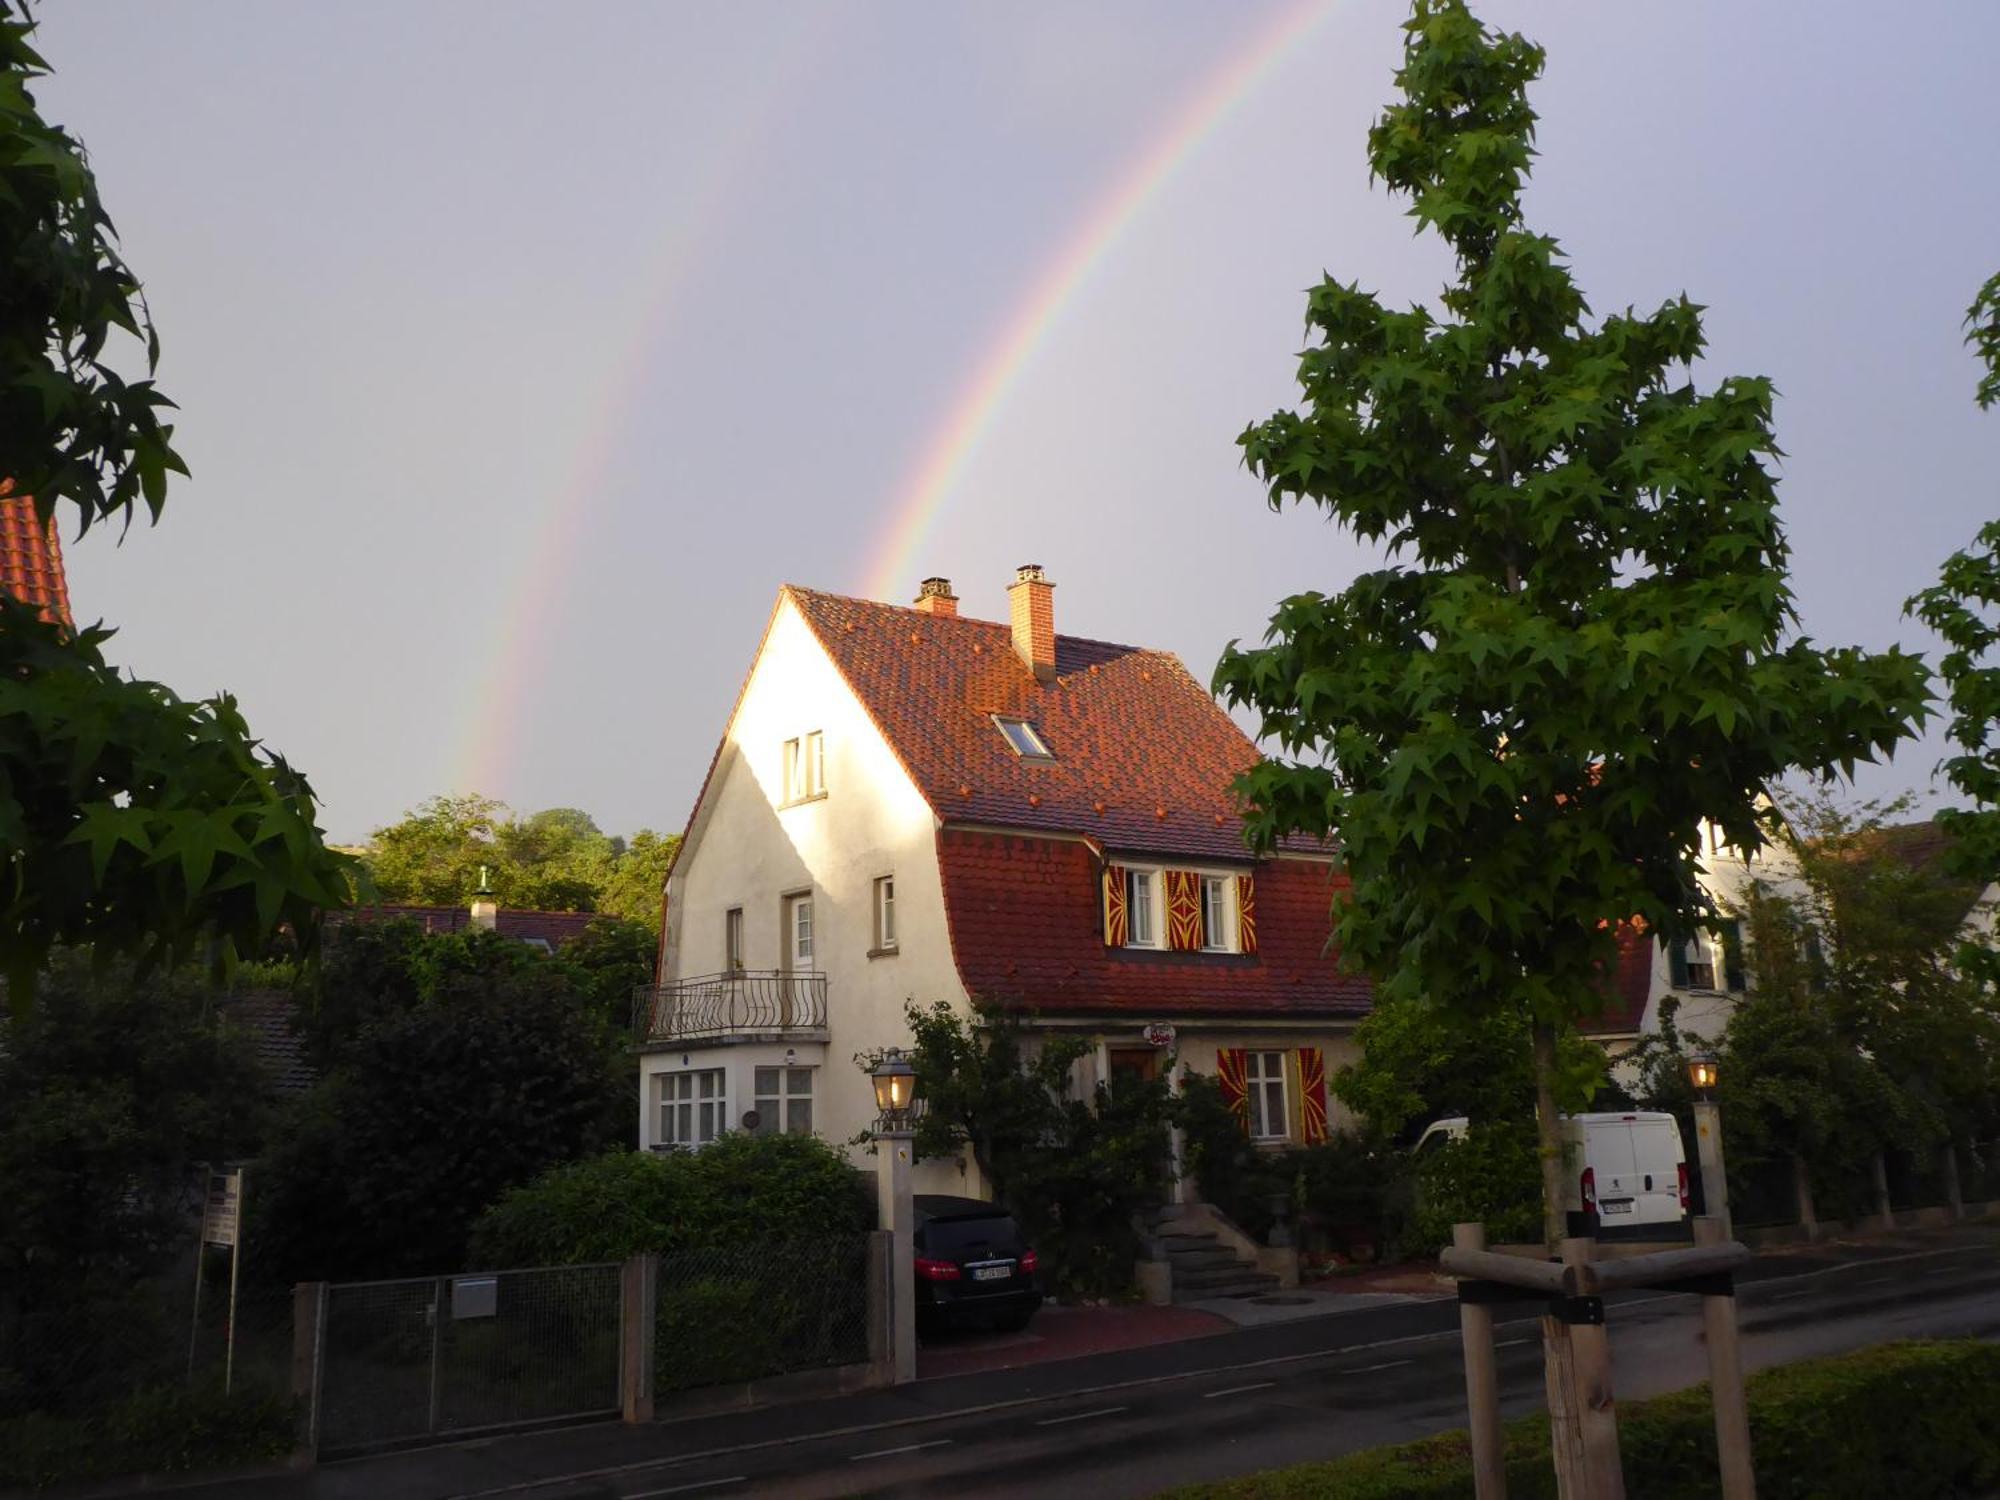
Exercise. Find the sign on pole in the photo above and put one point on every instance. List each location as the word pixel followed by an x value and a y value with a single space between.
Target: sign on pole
pixel 221 1226
pixel 223 1213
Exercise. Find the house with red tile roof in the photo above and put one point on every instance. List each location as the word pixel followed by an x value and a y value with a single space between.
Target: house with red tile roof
pixel 912 804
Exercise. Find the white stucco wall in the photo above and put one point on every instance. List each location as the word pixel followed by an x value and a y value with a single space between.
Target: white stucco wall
pixel 748 850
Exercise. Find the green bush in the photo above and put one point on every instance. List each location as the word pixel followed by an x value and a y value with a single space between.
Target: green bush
pixel 1919 1421
pixel 1492 1175
pixel 742 1189
pixel 168 1429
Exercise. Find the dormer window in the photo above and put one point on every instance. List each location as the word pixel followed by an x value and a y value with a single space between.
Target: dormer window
pixel 1022 737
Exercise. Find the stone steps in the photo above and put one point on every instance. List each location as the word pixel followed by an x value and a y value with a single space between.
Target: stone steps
pixel 1203 1266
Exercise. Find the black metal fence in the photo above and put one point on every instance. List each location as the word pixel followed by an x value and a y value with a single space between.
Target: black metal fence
pixel 400 1361
pixel 743 1313
pixel 748 1000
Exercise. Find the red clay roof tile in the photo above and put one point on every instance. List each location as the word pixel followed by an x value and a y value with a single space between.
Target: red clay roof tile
pixel 1142 756
pixel 31 565
pixel 1025 927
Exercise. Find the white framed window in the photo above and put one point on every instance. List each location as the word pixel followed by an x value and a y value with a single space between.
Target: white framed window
pixel 784 1100
pixel 1264 1079
pixel 1142 908
pixel 693 1107
pixel 799 932
pixel 1024 738
pixel 732 940
pixel 1218 913
pixel 805 767
pixel 885 914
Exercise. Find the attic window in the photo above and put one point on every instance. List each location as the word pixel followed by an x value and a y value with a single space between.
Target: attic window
pixel 1021 735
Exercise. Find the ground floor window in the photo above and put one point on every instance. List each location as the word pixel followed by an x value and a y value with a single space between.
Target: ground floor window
pixel 1264 1080
pixel 784 1101
pixel 692 1107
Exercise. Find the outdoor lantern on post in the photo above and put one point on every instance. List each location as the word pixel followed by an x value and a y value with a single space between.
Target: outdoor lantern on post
pixel 896 1102
pixel 1704 1073
pixel 899 1108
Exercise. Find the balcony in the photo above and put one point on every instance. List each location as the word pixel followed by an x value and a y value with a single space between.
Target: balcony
pixel 719 1007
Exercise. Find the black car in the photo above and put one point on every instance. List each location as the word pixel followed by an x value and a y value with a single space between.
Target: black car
pixel 972 1268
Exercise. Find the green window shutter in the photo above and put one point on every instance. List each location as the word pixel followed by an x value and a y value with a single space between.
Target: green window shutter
pixel 1732 958
pixel 1677 962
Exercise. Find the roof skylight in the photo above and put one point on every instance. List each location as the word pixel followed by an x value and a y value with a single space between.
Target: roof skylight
pixel 1022 736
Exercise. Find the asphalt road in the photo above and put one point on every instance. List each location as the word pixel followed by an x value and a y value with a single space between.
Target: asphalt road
pixel 1234 1404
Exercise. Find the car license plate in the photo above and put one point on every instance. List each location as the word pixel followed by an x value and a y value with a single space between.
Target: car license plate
pixel 992 1273
pixel 1617 1208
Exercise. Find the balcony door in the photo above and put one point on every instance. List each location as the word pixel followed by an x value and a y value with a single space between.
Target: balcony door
pixel 796 997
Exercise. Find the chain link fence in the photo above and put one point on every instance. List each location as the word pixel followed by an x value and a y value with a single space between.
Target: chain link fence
pixel 405 1360
pixel 747 1312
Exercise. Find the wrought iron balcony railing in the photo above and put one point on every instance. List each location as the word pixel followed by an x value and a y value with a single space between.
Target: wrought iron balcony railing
pixel 746 1002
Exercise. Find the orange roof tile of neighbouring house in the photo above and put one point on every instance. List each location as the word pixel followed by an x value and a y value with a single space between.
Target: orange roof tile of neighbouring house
pixel 31 565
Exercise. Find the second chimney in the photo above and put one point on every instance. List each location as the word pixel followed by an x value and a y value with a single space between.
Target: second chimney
pixel 1033 601
pixel 934 597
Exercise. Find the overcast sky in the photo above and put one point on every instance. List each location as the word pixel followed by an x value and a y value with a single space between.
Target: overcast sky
pixel 524 350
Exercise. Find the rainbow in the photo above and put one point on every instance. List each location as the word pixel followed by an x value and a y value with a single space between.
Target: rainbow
pixel 921 497
pixel 495 719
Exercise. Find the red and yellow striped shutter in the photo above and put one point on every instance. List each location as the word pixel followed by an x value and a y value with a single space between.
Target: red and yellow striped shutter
pixel 1246 913
pixel 1114 906
pixel 1183 910
pixel 1232 1076
pixel 1312 1095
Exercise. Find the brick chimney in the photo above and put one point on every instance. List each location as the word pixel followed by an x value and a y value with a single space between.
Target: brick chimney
pixel 1033 601
pixel 934 597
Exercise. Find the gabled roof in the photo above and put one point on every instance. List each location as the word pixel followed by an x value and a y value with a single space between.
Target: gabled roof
pixel 1143 757
pixel 31 565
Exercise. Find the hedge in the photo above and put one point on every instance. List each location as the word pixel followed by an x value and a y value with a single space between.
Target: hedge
pixel 1911 1420
pixel 168 1429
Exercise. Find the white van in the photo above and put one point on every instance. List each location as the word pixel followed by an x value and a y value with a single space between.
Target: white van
pixel 1626 1168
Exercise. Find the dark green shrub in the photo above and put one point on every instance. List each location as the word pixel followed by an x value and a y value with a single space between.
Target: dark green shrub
pixel 168 1429
pixel 1491 1175
pixel 741 1190
pixel 1917 1421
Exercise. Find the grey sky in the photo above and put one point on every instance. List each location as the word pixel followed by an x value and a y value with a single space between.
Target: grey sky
pixel 558 337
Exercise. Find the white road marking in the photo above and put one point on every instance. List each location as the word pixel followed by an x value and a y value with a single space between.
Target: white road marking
pixel 1514 1343
pixel 855 1458
pixel 1082 1416
pixel 1237 1390
pixel 1787 1296
pixel 687 1489
pixel 1370 1369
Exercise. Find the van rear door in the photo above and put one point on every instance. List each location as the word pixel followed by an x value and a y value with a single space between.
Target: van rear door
pixel 1657 1157
pixel 1607 1146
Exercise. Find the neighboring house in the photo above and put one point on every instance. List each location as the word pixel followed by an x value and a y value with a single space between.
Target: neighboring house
pixel 546 930
pixel 911 805
pixel 31 563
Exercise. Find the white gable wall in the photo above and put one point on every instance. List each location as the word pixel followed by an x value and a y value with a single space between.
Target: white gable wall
pixel 748 850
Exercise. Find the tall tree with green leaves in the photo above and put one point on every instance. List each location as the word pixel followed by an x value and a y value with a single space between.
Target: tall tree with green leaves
pixel 129 819
pixel 1963 607
pixel 1581 642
